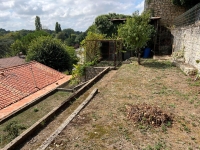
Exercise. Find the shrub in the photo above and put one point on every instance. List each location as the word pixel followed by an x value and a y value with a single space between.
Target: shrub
pixel 21 45
pixel 13 130
pixel 72 53
pixel 50 52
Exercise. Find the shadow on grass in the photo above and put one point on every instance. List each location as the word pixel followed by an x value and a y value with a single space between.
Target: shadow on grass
pixel 157 64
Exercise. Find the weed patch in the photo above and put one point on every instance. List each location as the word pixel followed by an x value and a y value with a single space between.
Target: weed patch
pixel 11 131
pixel 157 146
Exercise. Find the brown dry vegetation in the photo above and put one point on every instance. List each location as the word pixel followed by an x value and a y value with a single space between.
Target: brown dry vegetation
pixel 103 124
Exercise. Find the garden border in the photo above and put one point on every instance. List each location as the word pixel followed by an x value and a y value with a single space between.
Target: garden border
pixel 55 111
pixel 49 140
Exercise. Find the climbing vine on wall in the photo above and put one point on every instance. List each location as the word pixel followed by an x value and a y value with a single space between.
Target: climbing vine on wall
pixel 92 46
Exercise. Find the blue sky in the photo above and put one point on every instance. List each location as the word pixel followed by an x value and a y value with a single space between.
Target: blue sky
pixel 75 14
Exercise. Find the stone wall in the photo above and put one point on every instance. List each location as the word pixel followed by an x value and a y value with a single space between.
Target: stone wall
pixel 188 39
pixel 91 72
pixel 164 9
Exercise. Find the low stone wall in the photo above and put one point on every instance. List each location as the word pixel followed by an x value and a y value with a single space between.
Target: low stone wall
pixel 91 72
pixel 57 110
pixel 188 39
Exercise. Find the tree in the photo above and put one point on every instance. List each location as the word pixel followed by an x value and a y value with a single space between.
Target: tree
pixel 68 32
pixel 22 44
pixel 136 32
pixel 93 28
pixel 5 42
pixel 61 36
pixel 17 47
pixel 104 24
pixel 3 31
pixel 80 37
pixel 71 51
pixel 38 25
pixel 49 51
pixel 71 40
pixel 57 27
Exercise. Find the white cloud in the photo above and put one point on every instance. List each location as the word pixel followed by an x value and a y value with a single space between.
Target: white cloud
pixel 76 14
pixel 6 5
pixel 140 6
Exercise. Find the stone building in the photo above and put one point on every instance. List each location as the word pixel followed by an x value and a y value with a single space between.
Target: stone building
pixel 167 13
pixel 164 9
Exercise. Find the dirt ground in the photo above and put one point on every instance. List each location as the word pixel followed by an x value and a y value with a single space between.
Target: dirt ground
pixel 104 124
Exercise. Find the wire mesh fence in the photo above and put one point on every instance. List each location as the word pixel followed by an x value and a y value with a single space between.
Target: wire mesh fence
pixel 190 17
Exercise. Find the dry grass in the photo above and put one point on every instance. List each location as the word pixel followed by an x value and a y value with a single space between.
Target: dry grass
pixel 103 124
pixel 31 115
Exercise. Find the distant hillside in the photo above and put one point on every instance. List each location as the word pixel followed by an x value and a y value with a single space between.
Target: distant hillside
pixel 3 32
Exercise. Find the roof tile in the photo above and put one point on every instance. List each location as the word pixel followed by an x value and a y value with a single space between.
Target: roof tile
pixel 11 61
pixel 23 80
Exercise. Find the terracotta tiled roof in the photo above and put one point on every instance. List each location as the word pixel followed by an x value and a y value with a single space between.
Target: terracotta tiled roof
pixel 20 81
pixel 11 61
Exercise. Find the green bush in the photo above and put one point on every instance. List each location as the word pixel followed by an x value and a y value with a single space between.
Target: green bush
pixel 50 52
pixel 71 51
pixel 79 71
pixel 13 130
pixel 21 45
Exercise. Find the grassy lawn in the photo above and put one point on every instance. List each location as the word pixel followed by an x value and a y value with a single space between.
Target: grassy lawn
pixel 103 124
pixel 22 121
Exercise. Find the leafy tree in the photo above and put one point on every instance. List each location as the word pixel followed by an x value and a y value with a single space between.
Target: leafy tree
pixel 49 51
pixel 5 46
pixel 22 44
pixel 93 28
pixel 5 41
pixel 136 32
pixel 38 25
pixel 71 40
pixel 17 47
pixel 61 36
pixel 80 37
pixel 106 26
pixel 24 32
pixel 71 51
pixel 49 31
pixel 68 32
pixel 3 32
pixel 57 27
pixel 77 32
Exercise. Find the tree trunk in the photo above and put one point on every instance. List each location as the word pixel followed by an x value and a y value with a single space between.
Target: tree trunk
pixel 138 51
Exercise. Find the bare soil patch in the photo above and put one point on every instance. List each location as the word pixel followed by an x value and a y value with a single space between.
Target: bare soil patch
pixel 103 124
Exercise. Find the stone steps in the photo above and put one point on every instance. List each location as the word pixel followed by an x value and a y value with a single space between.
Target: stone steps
pixel 186 68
